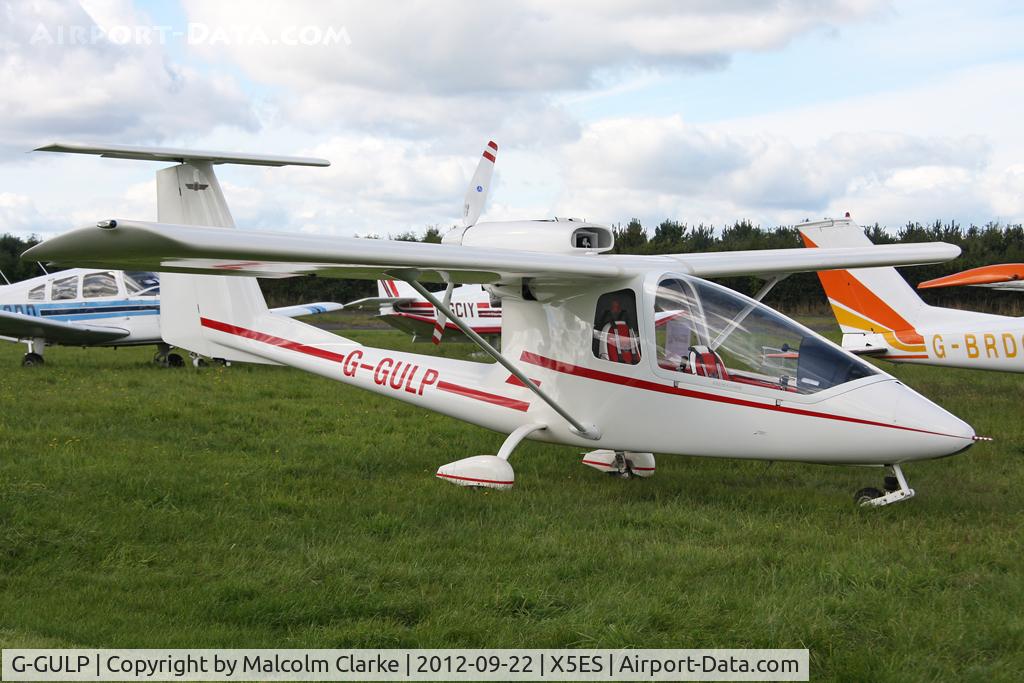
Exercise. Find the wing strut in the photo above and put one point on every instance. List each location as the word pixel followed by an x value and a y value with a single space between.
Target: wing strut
pixel 586 431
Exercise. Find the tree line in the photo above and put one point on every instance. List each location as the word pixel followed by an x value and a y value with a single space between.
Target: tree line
pixel 798 294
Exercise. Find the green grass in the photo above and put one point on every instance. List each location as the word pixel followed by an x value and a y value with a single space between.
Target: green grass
pixel 263 507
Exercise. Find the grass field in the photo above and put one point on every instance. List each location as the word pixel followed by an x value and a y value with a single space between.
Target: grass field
pixel 263 507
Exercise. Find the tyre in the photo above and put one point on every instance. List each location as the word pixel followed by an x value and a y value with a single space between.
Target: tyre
pixel 175 361
pixel 31 360
pixel 866 495
pixel 892 483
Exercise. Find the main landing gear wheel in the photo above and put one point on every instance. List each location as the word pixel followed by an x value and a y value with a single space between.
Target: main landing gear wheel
pixel 31 360
pixel 621 464
pixel 896 490
pixel 866 495
pixel 165 359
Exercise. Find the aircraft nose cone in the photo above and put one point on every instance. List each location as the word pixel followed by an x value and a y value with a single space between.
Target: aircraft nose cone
pixel 922 428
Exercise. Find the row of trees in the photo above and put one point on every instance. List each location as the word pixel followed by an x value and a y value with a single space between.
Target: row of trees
pixel 801 293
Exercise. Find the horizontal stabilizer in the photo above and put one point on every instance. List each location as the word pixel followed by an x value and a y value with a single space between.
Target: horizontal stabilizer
pixel 170 154
pixel 867 350
pixel 307 309
pixel 21 326
pixel 375 302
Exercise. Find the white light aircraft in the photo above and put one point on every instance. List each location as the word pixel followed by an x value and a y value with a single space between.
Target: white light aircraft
pixel 582 362
pixel 83 307
pixel 881 315
pixel 402 307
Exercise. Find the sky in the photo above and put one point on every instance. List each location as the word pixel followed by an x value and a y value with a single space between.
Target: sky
pixel 698 111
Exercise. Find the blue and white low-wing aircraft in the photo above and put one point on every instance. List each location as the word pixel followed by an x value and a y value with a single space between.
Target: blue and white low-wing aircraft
pixel 89 307
pixel 582 360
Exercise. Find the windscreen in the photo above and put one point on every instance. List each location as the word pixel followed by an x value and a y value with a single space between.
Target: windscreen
pixel 707 330
pixel 141 283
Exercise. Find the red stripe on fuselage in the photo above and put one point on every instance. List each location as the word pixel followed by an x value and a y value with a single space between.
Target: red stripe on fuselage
pixel 483 396
pixel 448 325
pixel 272 340
pixel 339 357
pixel 635 383
pixel 512 379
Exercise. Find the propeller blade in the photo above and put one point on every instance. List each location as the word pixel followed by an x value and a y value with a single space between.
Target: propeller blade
pixel 476 194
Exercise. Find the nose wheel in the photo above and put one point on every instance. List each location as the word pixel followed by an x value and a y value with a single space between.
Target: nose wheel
pixel 896 490
pixel 31 360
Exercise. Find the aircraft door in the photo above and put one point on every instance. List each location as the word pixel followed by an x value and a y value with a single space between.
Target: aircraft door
pixel 616 334
pixel 704 331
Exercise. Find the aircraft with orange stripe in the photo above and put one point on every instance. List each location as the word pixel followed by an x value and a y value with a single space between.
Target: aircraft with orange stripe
pixel 1008 276
pixel 583 360
pixel 882 316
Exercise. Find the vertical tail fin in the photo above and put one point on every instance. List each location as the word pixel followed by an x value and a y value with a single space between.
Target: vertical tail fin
pixel 396 289
pixel 190 194
pixel 868 300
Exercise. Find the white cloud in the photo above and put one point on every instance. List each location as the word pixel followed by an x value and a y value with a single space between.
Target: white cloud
pixel 59 78
pixel 403 110
pixel 757 174
pixel 461 71
pixel 451 47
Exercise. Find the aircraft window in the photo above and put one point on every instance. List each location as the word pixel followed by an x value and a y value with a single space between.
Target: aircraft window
pixel 99 284
pixel 141 282
pixel 65 288
pixel 37 293
pixel 707 330
pixel 615 328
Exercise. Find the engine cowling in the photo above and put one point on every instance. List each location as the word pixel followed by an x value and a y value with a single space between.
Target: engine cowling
pixel 558 236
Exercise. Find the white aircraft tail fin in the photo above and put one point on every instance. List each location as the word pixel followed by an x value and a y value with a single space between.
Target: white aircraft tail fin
pixel 194 308
pixel 874 300
pixel 397 289
pixel 479 184
pixel 190 194
pixel 864 299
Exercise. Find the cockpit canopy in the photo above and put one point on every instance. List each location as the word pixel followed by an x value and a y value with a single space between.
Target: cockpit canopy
pixel 705 329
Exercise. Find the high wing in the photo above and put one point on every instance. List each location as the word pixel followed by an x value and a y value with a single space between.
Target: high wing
pixel 307 309
pixel 137 245
pixel 21 326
